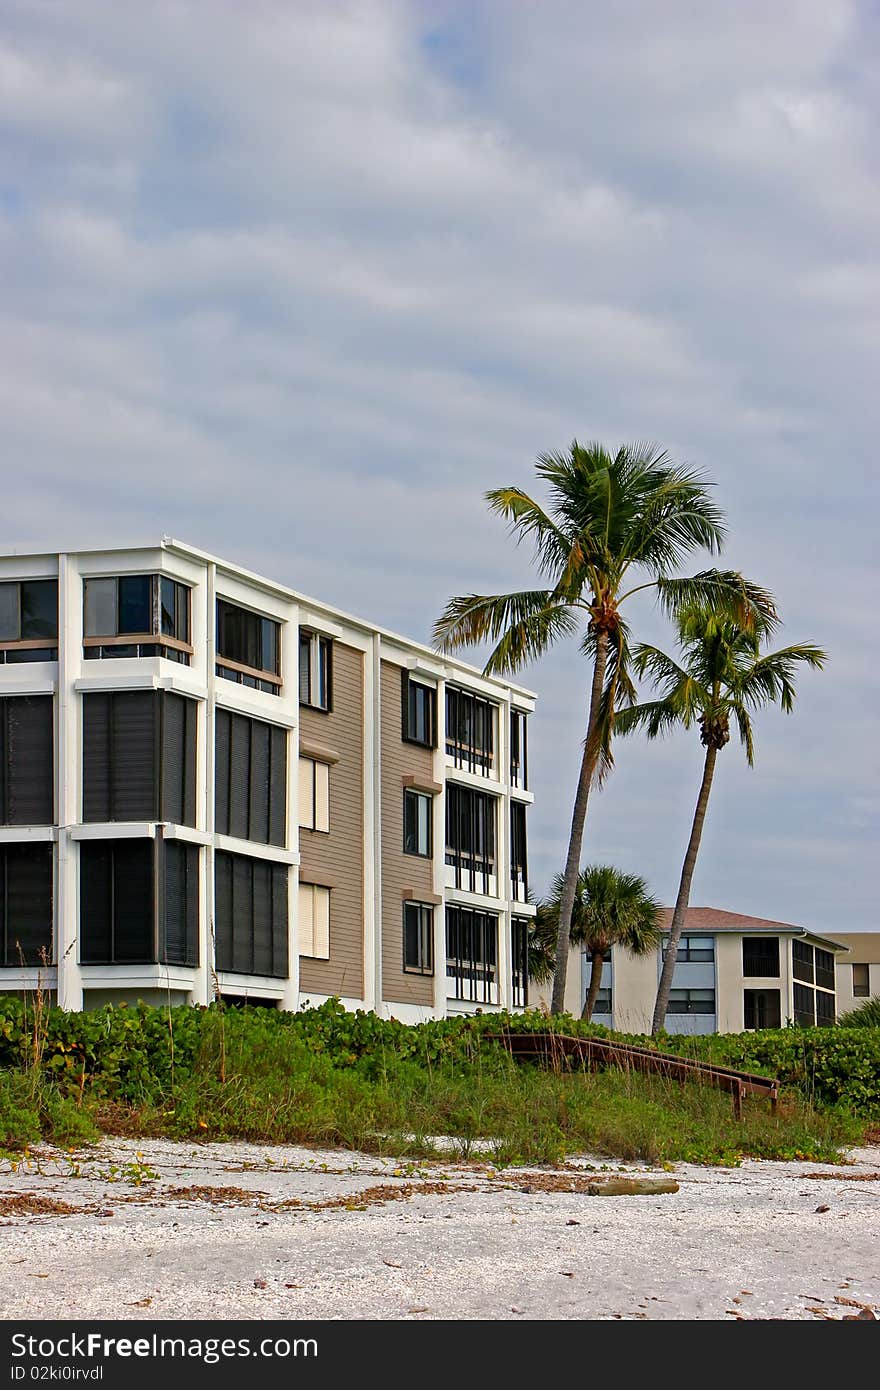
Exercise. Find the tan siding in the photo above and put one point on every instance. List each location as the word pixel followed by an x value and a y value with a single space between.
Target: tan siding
pixel 338 857
pixel 400 870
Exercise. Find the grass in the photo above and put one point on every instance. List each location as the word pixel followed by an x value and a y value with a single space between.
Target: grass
pixel 253 1078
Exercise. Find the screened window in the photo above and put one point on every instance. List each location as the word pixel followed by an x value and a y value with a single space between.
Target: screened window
pixel 519 875
pixel 814 989
pixel 419 713
pixel 314 921
pixel 519 756
pixel 123 919
pixel 28 620
pixel 314 795
pixel 27 765
pixel 861 985
pixel 692 948
pixel 691 1001
pixel 472 954
pixel 250 903
pixel 139 756
pixel 824 962
pixel 315 670
pixel 418 939
pixel 137 615
pixel 761 1008
pixel 250 779
pixel 804 1006
pixel 802 962
pixel 470 837
pixel 248 648
pixel 519 961
pixel 470 730
pixel 25 904
pixel 417 823
pixel 761 956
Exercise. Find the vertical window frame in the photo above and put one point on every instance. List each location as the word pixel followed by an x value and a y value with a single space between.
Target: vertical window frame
pixel 424 937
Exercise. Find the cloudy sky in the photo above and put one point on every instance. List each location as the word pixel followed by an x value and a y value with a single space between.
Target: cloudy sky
pixel 297 282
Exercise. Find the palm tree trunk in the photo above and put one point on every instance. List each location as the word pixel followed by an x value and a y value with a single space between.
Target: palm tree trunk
pixel 578 820
pixel 684 892
pixel 597 962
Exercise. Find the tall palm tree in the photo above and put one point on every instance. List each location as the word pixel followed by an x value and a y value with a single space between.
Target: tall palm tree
pixel 722 677
pixel 615 525
pixel 610 909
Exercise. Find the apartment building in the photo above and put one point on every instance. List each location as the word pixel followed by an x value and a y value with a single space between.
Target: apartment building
pixel 214 784
pixel 732 973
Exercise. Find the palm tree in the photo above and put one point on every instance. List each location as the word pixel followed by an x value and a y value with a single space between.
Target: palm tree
pixel 610 909
pixel 722 677
pixel 616 525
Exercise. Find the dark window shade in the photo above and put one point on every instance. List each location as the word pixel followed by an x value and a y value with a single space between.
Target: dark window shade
pixel 250 779
pixel 178 759
pixel 25 904
pixel 27 744
pixel 117 902
pixel 250 899
pixel 180 917
pixel 137 744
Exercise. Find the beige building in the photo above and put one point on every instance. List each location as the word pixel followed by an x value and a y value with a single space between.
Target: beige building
pixel 213 784
pixel 733 973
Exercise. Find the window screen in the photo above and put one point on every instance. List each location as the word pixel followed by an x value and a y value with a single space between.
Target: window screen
pixel 250 779
pixel 25 904
pixel 250 899
pixel 27 765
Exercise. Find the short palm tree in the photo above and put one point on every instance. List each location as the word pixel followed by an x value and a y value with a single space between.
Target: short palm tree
pixel 722 677
pixel 610 909
pixel 616 524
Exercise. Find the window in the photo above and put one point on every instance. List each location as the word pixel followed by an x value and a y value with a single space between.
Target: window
pixel 802 961
pixel 824 969
pixel 814 990
pixel 250 779
pixel 419 714
pixel 418 939
pixel 122 920
pixel 761 956
pixel 692 948
pixel 418 810
pixel 25 904
pixel 139 756
pixel 804 1006
pixel 136 615
pixel 519 756
pixel 472 954
pixel 603 1003
pixel 27 764
pixel 250 901
pixel 825 1010
pixel 314 921
pixel 861 985
pixel 314 795
pixel 519 961
pixel 28 620
pixel 315 670
pixel 519 875
pixel 248 648
pixel 470 730
pixel 470 838
pixel 691 1001
pixel 761 1008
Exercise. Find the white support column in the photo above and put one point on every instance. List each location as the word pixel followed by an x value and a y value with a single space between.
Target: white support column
pixel 203 989
pixel 67 785
pixel 372 906
pixel 439 862
pixel 503 865
pixel 290 699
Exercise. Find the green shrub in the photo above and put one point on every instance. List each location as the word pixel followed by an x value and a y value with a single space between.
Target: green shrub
pixel 867 1015
pixel 19 1120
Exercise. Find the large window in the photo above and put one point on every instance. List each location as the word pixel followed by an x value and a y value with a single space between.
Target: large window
pixel 250 900
pixel 691 1001
pixel 470 838
pixel 519 750
pixel 314 921
pixel 472 955
pixel 139 756
pixel 418 939
pixel 137 615
pixel 761 956
pixel 761 1008
pixel 27 766
pixel 519 961
pixel 314 795
pixel 470 730
pixel 28 620
pixel 814 990
pixel 419 712
pixel 519 874
pixel 250 779
pixel 692 948
pixel 248 648
pixel 861 984
pixel 139 902
pixel 418 813
pixel 315 670
pixel 25 904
